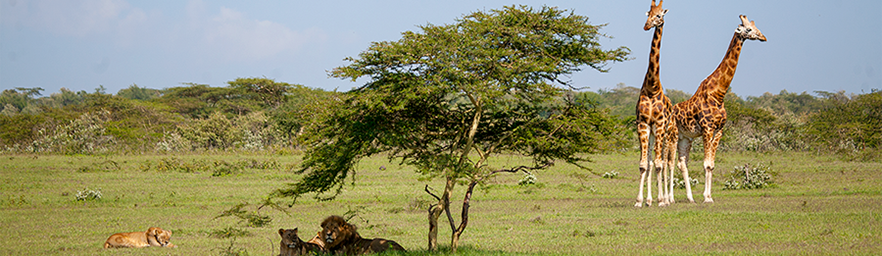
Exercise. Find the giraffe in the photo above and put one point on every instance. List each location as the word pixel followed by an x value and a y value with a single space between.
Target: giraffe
pixel 703 115
pixel 654 114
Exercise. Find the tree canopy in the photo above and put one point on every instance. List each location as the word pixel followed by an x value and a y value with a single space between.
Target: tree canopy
pixel 448 97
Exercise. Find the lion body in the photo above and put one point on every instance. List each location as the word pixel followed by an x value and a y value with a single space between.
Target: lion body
pixel 154 236
pixel 343 238
pixel 317 240
pixel 292 245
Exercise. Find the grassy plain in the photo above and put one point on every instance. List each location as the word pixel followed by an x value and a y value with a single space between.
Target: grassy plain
pixel 819 205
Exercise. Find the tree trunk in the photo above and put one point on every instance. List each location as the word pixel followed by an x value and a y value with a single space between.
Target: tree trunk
pixel 436 210
pixel 451 182
pixel 434 213
pixel 464 217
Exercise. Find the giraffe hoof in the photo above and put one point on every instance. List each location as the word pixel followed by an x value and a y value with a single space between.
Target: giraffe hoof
pixel 638 205
pixel 708 200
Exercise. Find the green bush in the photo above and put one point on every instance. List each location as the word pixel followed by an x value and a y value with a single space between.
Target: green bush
pixel 680 183
pixel 747 177
pixel 177 165
pixel 88 195
pixel 611 174
pixel 85 135
pixel 850 127
pixel 529 179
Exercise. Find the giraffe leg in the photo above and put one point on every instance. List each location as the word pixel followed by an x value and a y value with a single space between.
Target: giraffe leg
pixel 711 141
pixel 643 136
pixel 671 159
pixel 649 183
pixel 684 145
pixel 662 188
pixel 643 171
pixel 664 181
pixel 659 164
pixel 670 151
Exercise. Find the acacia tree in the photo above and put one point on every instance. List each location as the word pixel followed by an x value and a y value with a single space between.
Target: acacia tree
pixel 447 99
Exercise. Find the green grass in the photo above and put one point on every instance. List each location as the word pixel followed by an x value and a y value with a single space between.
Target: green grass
pixel 818 205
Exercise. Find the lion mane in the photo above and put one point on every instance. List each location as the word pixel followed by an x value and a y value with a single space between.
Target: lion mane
pixel 343 238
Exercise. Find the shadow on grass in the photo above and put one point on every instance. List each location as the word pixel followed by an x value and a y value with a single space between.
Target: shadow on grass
pixel 464 250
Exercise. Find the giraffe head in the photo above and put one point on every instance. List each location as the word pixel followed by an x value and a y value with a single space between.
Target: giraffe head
pixel 747 30
pixel 655 15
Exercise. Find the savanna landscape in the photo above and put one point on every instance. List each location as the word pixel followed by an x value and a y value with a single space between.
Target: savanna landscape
pixel 466 140
pixel 817 205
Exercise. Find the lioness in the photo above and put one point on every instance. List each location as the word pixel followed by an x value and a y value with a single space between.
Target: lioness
pixel 152 237
pixel 342 238
pixel 292 245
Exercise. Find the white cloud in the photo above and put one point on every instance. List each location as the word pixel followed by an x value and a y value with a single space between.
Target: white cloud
pixel 71 18
pixel 234 36
pixel 223 34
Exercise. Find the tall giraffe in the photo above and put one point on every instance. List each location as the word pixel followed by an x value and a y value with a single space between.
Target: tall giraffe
pixel 704 114
pixel 654 117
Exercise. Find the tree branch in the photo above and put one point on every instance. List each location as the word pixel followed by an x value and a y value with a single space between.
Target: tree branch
pixel 466 202
pixel 446 210
pixel 432 194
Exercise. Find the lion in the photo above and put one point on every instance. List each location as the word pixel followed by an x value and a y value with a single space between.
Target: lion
pixel 154 236
pixel 317 240
pixel 343 238
pixel 291 244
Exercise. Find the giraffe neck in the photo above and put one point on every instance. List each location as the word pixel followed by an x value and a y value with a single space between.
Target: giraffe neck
pixel 651 82
pixel 717 84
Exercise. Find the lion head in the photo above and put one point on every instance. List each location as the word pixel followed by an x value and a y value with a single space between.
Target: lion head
pixel 292 245
pixel 336 231
pixel 288 245
pixel 159 237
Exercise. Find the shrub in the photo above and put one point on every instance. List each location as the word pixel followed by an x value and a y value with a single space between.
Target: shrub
pixel 222 168
pixel 611 174
pixel 682 183
pixel 88 195
pixel 528 179
pixel 85 135
pixel 178 165
pixel 747 177
pixel 849 127
pixel 173 142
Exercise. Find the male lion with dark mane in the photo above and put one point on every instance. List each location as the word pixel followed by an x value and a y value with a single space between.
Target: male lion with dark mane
pixel 342 238
pixel 152 237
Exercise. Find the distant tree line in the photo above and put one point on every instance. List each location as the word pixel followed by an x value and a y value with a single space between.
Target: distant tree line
pixel 263 114
pixel 248 114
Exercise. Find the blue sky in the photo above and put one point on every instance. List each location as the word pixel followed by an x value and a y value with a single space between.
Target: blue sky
pixel 812 45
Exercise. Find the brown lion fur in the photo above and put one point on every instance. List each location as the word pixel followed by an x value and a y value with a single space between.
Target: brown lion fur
pixel 317 240
pixel 154 236
pixel 292 245
pixel 343 238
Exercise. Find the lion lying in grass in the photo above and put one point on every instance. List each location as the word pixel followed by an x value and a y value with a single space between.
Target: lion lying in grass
pixel 152 237
pixel 342 238
pixel 292 245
